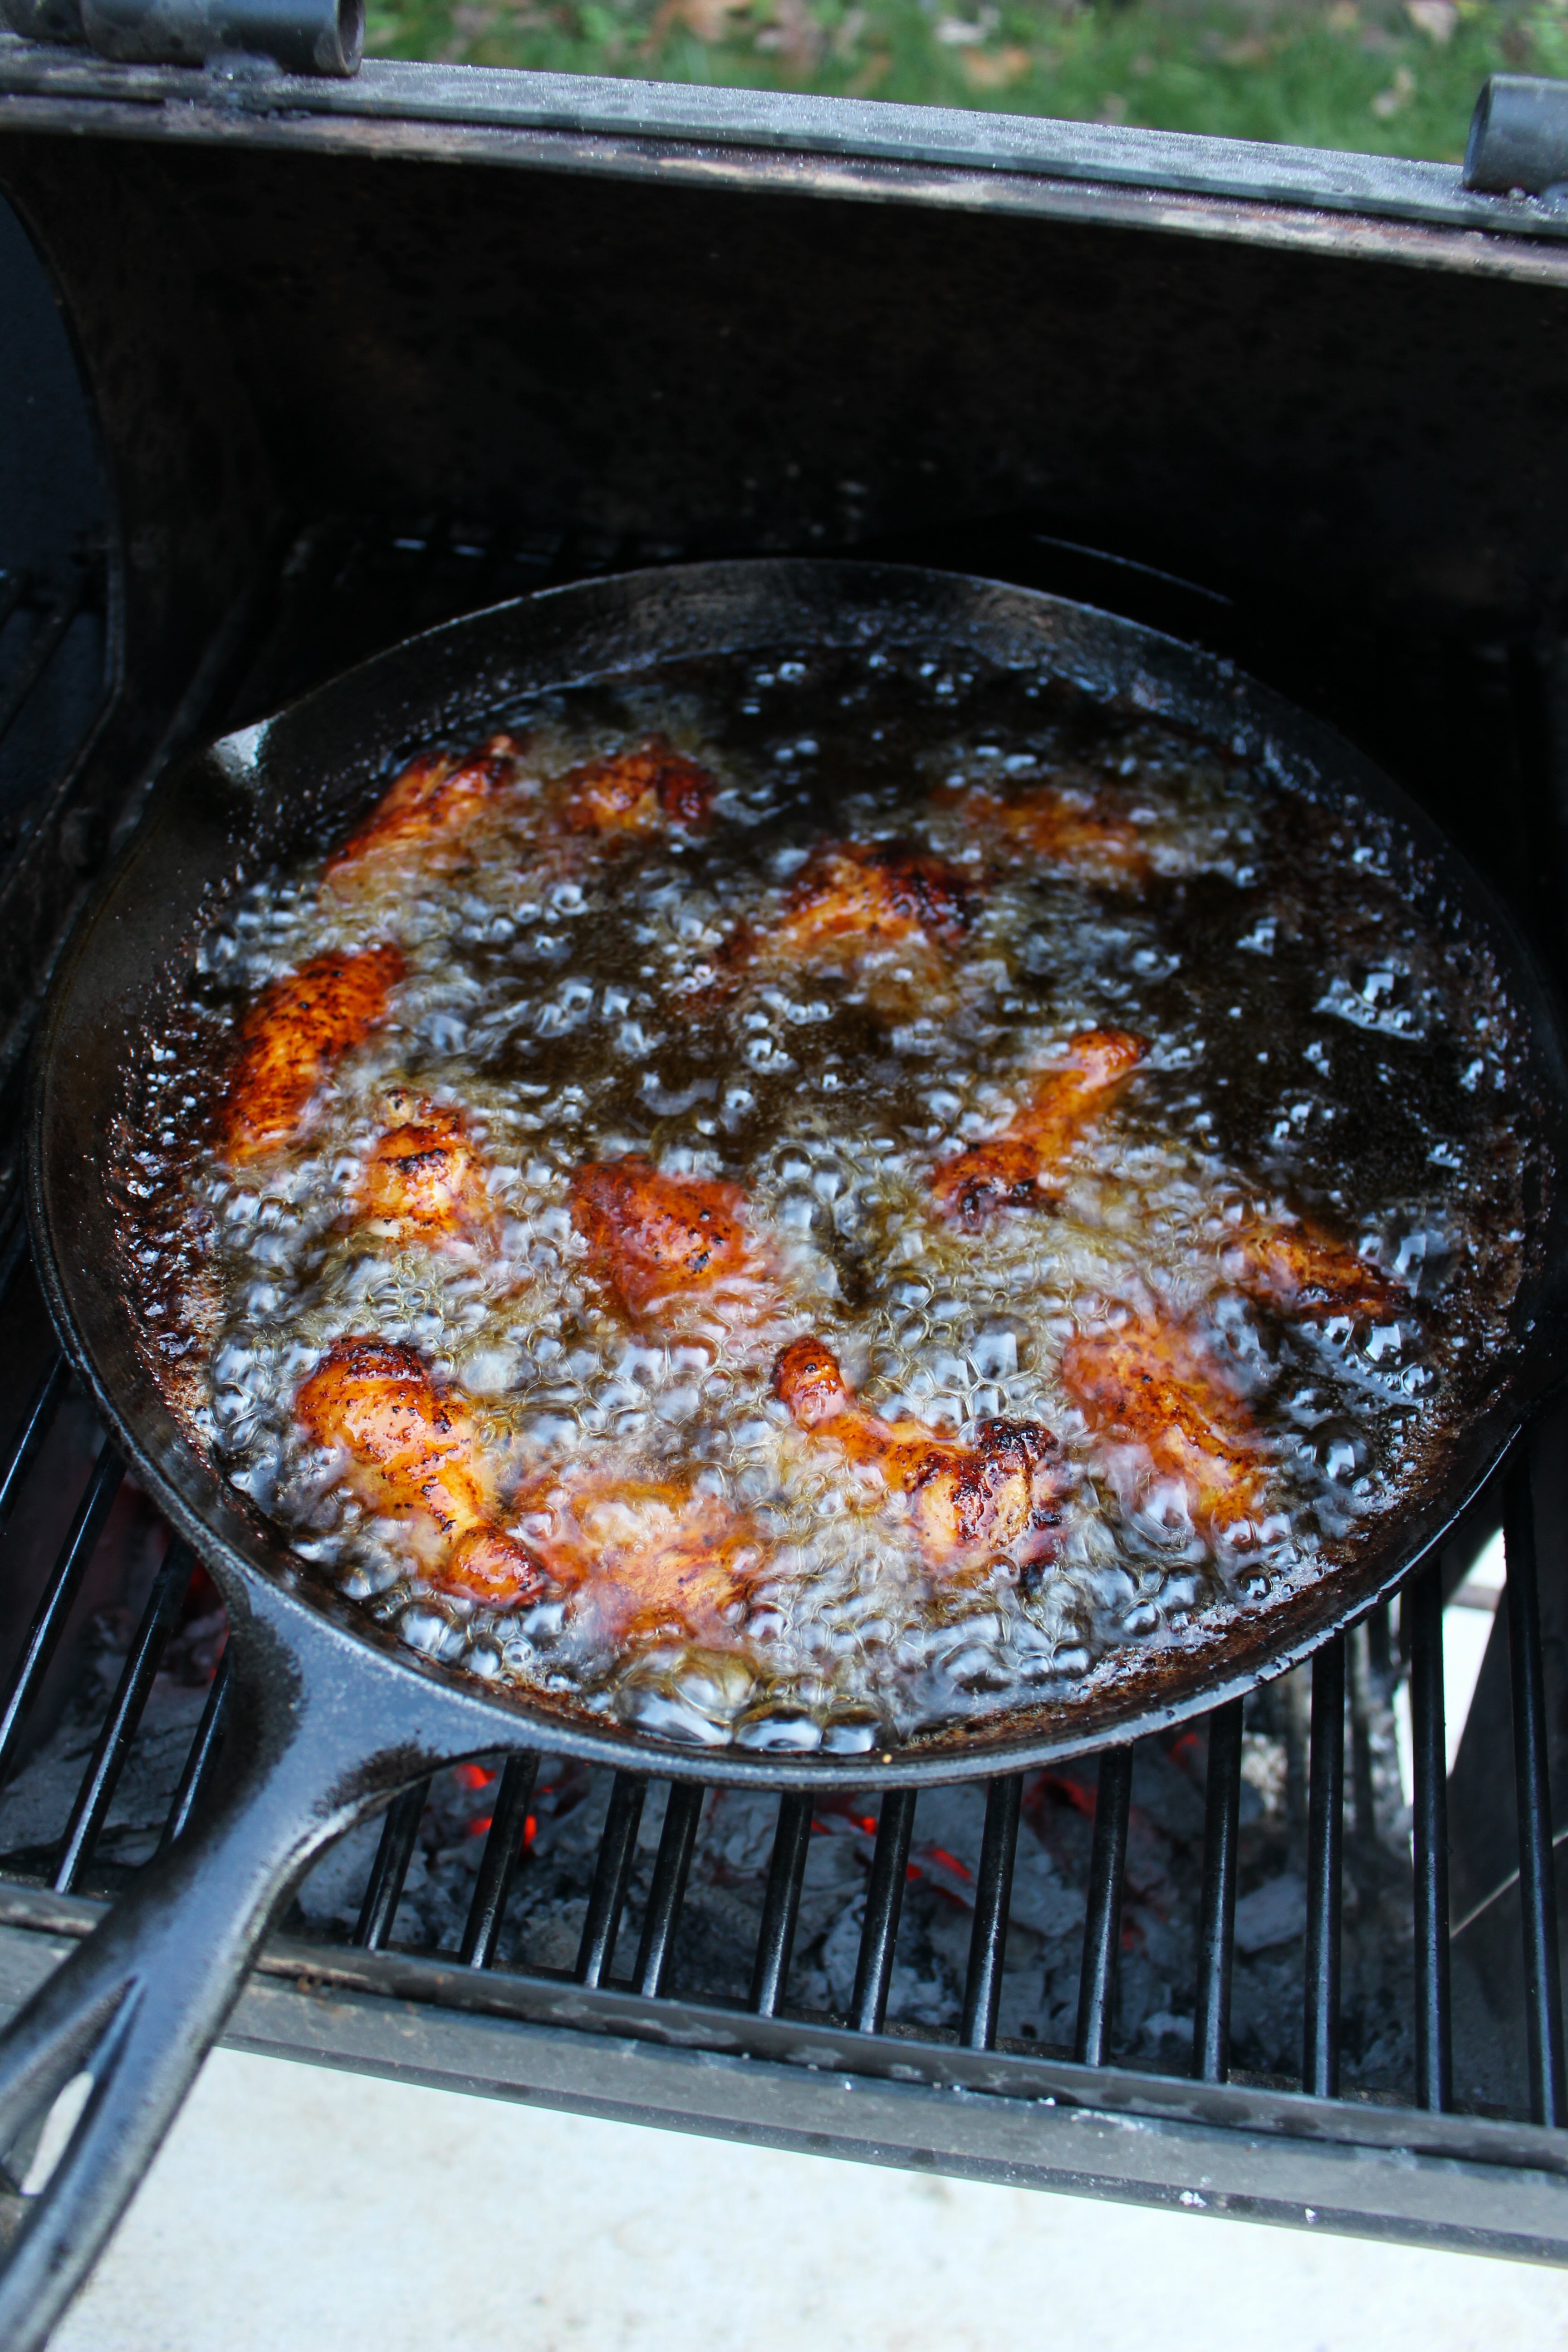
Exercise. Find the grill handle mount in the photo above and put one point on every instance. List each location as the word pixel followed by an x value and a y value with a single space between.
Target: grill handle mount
pixel 304 37
pixel 138 2005
pixel 1518 136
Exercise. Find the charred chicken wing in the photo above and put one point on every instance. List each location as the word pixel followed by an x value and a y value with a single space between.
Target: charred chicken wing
pixel 965 1502
pixel 294 1033
pixel 1303 1271
pixel 639 791
pixel 646 1557
pixel 416 1458
pixel 428 805
pixel 653 1239
pixel 1153 1388
pixel 1024 1165
pixel 424 1178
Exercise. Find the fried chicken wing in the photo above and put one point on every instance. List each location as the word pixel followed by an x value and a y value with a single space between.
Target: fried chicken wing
pixel 294 1033
pixel 653 1239
pixel 424 1177
pixel 646 1557
pixel 965 1502
pixel 1023 1165
pixel 416 1457
pixel 428 803
pixel 1303 1271
pixel 850 896
pixel 890 914
pixel 640 791
pixel 1077 828
pixel 1154 1387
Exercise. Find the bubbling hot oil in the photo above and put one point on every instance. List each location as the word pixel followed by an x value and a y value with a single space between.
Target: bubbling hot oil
pixel 1314 1047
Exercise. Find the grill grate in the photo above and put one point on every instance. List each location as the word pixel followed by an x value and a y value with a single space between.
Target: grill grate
pixel 339 595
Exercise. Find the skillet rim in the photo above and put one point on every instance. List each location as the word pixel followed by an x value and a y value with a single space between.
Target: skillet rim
pixel 1298 750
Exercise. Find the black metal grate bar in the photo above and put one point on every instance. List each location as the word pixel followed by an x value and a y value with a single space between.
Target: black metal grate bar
pixel 677 1839
pixel 383 1888
pixel 54 1610
pixel 993 1899
pixel 1102 1925
pixel 1217 1931
pixel 612 1874
pixel 499 1862
pixel 781 1903
pixel 203 1756
pixel 37 1422
pixel 1325 1872
pixel 96 1794
pixel 884 1902
pixel 1429 1833
pixel 1537 1884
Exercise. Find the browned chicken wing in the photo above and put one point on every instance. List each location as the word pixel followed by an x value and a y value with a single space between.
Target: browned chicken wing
pixel 1076 827
pixel 424 1177
pixel 428 803
pixel 1303 1271
pixel 646 1557
pixel 653 1239
pixel 638 792
pixel 966 1502
pixel 416 1458
pixel 1024 1165
pixel 1155 1386
pixel 888 913
pixel 851 894
pixel 296 1031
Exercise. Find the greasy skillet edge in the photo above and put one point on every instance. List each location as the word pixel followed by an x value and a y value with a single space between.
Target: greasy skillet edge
pixel 257 795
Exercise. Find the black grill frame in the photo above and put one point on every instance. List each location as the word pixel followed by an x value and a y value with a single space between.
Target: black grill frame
pixel 625 2046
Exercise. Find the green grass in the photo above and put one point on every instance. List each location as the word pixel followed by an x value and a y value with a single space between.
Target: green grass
pixel 1396 77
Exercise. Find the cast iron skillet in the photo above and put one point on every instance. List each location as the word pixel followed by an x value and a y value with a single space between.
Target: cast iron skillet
pixel 327 1715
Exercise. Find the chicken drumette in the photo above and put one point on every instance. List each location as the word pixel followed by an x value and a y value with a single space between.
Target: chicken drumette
pixel 645 1557
pixel 635 792
pixel 424 1178
pixel 1077 828
pixel 886 915
pixel 1302 1271
pixel 1024 1165
pixel 298 1028
pixel 965 1502
pixel 654 1240
pixel 416 1457
pixel 428 805
pixel 1155 1388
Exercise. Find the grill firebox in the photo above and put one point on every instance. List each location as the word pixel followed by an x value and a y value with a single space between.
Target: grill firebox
pixel 1242 1969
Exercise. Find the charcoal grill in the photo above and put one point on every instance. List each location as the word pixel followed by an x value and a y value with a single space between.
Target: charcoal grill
pixel 335 363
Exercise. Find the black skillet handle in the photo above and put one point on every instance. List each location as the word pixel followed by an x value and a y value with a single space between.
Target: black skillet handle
pixel 138 2006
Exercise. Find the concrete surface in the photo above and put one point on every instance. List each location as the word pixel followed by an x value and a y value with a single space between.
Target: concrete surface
pixel 298 2209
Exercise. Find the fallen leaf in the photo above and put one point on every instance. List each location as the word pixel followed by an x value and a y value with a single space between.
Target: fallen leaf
pixel 1436 18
